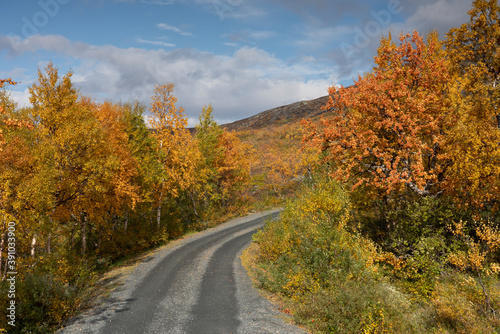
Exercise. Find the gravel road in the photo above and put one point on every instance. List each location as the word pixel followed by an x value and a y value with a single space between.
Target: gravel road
pixel 196 285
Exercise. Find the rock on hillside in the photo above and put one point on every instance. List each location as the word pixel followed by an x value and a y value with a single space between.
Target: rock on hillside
pixel 283 114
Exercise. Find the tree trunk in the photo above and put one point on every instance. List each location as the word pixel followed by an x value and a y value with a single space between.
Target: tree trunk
pixel 126 220
pixel 33 244
pixel 99 237
pixel 151 214
pixel 5 267
pixel 158 209
pixel 84 233
pixel 193 200
pixel 2 242
pixel 49 238
pixel 158 216
pixel 73 238
pixel 76 222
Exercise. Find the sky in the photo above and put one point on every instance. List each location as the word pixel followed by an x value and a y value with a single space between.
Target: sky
pixel 240 56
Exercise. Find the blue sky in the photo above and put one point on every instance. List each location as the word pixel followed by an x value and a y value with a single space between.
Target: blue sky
pixel 241 56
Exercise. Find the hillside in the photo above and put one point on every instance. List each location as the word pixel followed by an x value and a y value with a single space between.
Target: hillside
pixel 283 114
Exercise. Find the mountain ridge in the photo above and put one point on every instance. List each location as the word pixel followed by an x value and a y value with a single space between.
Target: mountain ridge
pixel 294 111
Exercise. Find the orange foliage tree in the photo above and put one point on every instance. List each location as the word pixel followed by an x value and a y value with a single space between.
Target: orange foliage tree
pixel 122 190
pixel 233 169
pixel 5 119
pixel 388 130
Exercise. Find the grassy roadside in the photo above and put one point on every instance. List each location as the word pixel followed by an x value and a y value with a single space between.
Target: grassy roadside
pixel 331 279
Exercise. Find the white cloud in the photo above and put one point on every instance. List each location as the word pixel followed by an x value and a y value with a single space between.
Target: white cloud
pixel 234 9
pixel 159 2
pixel 157 43
pixel 249 36
pixel 317 37
pixel 245 83
pixel 261 34
pixel 441 15
pixel 21 97
pixel 165 26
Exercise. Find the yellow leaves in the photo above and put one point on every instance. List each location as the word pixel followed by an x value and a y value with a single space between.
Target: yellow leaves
pixel 473 143
pixel 495 268
pixel 489 235
pixel 478 253
pixel 472 146
pixel 376 321
pixel 6 81
pixel 472 259
pixel 300 283
pixel 176 146
pixel 397 264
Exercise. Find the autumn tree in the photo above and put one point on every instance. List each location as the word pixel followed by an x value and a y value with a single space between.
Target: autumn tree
pixel 474 51
pixel 119 191
pixel 7 108
pixel 208 134
pixel 234 171
pixel 177 151
pixel 74 158
pixel 142 146
pixel 225 165
pixel 388 130
pixel 15 162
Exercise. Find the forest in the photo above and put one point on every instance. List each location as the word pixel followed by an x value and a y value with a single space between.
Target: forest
pixel 392 197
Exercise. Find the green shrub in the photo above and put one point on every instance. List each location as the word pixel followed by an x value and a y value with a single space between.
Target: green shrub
pixel 458 302
pixel 327 275
pixel 419 271
pixel 47 293
pixel 42 302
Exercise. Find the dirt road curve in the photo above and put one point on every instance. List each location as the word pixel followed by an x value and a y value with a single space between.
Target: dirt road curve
pixel 194 286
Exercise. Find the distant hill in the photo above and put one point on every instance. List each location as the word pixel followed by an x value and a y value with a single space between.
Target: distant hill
pixel 283 114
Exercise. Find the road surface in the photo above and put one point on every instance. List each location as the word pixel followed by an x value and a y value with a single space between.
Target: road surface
pixel 193 286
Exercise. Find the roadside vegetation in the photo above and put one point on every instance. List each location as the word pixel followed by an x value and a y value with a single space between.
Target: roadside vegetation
pixel 397 228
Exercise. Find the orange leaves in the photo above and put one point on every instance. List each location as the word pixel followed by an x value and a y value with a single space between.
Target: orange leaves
pixel 122 188
pixel 387 129
pixel 234 168
pixel 6 81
